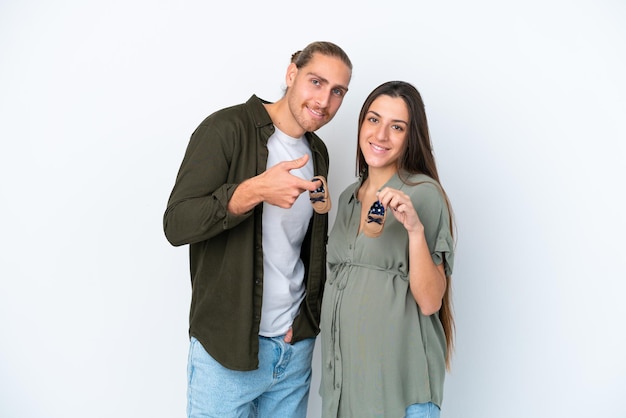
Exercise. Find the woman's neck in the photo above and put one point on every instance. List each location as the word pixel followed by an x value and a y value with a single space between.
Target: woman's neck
pixel 378 177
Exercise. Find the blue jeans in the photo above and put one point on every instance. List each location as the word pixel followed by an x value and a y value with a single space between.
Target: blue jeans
pixel 278 388
pixel 422 410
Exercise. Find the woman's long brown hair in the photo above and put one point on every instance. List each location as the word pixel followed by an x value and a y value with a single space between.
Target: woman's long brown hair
pixel 418 158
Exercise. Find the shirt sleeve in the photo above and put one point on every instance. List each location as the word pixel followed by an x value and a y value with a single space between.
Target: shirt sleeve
pixel 197 207
pixel 434 214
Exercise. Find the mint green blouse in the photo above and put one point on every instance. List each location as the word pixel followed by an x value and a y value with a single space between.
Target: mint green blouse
pixel 379 353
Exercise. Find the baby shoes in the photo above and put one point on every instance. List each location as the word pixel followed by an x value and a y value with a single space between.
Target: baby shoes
pixel 375 221
pixel 320 198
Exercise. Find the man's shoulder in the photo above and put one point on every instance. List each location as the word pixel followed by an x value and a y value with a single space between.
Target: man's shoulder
pixel 251 112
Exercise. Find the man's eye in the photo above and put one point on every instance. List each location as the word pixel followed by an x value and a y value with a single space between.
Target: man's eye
pixel 338 92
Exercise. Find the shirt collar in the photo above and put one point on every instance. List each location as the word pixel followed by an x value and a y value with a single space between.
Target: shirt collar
pixel 394 182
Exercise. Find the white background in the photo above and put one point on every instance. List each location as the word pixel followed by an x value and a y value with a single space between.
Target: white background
pixel 526 102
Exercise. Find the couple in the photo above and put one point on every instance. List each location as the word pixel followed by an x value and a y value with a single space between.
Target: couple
pixel 251 200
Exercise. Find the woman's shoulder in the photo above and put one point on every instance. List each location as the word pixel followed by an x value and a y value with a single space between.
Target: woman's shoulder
pixel 422 183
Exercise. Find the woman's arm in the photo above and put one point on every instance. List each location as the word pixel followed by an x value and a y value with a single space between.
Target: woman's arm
pixel 427 280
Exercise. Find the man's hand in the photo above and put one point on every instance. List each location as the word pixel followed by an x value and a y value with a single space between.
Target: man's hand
pixel 289 335
pixel 281 188
pixel 276 186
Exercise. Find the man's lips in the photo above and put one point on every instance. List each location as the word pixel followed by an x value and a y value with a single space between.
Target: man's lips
pixel 316 113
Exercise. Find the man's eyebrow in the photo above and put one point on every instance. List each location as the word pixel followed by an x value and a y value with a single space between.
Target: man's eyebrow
pixel 325 81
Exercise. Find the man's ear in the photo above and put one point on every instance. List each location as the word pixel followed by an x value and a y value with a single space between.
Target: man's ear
pixel 292 71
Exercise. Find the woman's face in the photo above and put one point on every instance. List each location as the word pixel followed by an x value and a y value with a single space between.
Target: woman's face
pixel 383 133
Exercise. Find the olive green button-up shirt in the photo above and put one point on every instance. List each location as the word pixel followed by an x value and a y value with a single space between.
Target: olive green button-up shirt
pixel 225 251
pixel 380 354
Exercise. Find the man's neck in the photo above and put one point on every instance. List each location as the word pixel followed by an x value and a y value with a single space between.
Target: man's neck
pixel 283 119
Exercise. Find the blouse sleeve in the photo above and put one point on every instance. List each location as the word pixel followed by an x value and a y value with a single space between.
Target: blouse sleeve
pixel 432 209
pixel 444 251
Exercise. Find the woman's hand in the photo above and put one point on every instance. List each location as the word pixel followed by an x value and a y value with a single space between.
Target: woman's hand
pixel 402 208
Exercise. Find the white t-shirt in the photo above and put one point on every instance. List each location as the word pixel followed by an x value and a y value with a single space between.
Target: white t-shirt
pixel 283 233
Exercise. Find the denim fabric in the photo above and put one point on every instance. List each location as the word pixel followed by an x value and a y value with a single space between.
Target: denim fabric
pixel 423 410
pixel 278 388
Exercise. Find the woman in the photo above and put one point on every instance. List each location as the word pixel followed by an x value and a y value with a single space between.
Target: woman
pixel 386 319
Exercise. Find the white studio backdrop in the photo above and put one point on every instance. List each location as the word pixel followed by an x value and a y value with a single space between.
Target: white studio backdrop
pixel 526 102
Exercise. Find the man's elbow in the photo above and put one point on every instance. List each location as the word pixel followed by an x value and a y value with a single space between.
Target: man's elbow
pixel 172 235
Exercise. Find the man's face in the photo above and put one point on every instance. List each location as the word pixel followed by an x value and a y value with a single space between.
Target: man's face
pixel 315 91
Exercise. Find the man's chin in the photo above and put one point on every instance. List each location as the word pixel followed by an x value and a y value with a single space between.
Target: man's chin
pixel 314 126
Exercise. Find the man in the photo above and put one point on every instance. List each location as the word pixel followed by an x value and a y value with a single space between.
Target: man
pixel 243 200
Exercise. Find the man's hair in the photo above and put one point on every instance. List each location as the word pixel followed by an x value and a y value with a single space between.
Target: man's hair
pixel 302 58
